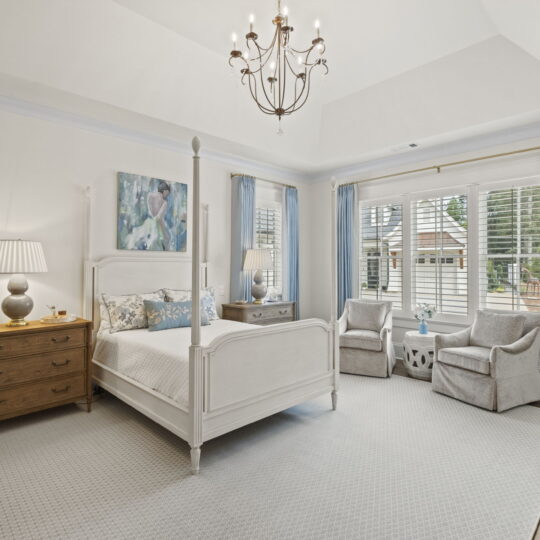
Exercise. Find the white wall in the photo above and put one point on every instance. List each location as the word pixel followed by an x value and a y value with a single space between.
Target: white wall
pixel 480 173
pixel 45 166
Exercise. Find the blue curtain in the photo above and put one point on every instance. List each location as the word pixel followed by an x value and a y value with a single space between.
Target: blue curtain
pixel 291 233
pixel 346 244
pixel 242 234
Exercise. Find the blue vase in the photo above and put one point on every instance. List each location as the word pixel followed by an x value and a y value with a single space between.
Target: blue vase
pixel 423 328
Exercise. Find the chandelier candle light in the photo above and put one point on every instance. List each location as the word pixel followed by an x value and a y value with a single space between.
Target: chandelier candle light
pixel 278 76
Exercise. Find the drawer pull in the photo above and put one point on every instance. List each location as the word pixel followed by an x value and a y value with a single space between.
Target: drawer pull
pixel 257 315
pixel 61 390
pixel 64 340
pixel 60 364
pixel 283 311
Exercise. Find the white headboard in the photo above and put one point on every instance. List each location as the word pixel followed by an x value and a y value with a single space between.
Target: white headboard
pixel 127 275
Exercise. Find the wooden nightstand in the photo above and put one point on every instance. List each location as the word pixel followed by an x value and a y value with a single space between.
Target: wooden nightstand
pixel 43 366
pixel 270 313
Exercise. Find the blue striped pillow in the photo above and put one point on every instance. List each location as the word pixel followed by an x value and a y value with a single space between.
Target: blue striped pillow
pixel 165 315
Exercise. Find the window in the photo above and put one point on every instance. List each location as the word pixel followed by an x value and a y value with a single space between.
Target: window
pixel 510 248
pixel 439 233
pixel 381 253
pixel 268 236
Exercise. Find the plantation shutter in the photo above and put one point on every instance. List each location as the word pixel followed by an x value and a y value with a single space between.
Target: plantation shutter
pixel 439 253
pixel 381 253
pixel 509 237
pixel 268 236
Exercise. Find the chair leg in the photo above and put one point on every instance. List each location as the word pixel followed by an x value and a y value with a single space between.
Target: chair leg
pixel 195 459
pixel 334 400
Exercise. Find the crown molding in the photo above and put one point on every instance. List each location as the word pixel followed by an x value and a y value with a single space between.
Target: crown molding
pixel 456 145
pixel 102 127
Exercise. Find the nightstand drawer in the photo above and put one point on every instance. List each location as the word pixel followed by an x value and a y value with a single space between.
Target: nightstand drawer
pixel 270 312
pixel 42 342
pixel 41 394
pixel 28 368
pixel 279 312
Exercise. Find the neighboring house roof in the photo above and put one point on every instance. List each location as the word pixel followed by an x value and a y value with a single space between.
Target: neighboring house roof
pixel 433 240
pixel 425 240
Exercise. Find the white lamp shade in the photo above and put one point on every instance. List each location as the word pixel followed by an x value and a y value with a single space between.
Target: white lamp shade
pixel 258 259
pixel 21 257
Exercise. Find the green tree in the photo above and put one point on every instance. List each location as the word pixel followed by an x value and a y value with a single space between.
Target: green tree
pixel 457 210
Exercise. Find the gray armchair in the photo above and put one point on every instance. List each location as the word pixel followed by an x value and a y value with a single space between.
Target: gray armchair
pixel 365 338
pixel 494 364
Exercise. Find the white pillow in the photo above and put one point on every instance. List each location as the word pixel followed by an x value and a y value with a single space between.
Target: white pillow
pixel 207 298
pixel 105 321
pixel 490 329
pixel 366 315
pixel 127 312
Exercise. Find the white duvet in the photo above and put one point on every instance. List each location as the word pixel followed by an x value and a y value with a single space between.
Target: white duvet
pixel 158 360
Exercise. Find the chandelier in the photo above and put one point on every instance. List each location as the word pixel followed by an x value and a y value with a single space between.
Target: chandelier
pixel 278 76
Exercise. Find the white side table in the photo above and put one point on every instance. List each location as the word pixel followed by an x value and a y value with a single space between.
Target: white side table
pixel 418 351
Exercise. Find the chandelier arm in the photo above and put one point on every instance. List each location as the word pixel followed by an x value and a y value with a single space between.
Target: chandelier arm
pixel 290 67
pixel 291 108
pixel 254 96
pixel 269 49
pixel 281 79
pixel 306 86
pixel 264 91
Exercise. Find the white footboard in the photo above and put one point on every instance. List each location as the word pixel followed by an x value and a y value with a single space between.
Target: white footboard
pixel 251 374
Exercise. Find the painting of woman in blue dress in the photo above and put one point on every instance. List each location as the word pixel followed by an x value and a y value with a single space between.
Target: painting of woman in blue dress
pixel 152 214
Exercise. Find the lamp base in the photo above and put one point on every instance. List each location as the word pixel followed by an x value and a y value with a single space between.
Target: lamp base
pixel 17 306
pixel 17 322
pixel 258 290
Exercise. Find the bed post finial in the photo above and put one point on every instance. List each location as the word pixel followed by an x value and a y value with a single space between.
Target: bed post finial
pixel 196 145
pixel 334 315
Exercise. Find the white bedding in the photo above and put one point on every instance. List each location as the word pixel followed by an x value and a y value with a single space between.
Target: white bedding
pixel 158 360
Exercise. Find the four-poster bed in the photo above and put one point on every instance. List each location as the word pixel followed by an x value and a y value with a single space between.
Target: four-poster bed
pixel 236 373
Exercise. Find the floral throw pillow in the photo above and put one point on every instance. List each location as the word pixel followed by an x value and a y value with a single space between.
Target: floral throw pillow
pixel 165 315
pixel 208 300
pixel 127 312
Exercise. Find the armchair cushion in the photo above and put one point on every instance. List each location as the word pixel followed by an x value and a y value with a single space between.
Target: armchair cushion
pixel 490 329
pixel 472 358
pixel 366 315
pixel 361 339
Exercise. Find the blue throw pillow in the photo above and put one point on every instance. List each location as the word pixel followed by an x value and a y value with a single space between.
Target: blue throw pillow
pixel 165 315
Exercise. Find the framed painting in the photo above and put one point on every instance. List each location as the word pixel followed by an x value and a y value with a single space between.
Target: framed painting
pixel 152 213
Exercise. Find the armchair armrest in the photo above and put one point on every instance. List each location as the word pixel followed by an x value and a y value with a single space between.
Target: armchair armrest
pixel 457 339
pixel 387 326
pixel 342 322
pixel 519 358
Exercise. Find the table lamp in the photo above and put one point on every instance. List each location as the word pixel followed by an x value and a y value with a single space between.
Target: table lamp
pixel 259 260
pixel 19 257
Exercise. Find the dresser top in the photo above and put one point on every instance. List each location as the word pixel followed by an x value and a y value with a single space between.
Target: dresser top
pixel 251 305
pixel 34 326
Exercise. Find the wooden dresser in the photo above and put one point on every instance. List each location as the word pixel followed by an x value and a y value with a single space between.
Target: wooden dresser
pixel 270 313
pixel 44 365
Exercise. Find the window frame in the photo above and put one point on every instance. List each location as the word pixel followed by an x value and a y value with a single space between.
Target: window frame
pixel 269 198
pixel 474 240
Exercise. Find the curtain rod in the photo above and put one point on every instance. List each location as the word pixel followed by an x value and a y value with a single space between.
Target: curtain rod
pixel 442 165
pixel 264 180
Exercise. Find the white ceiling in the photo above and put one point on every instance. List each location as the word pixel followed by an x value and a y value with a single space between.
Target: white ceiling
pixel 368 41
pixel 425 71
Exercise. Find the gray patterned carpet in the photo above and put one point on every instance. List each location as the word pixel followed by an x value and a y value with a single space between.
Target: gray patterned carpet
pixel 394 461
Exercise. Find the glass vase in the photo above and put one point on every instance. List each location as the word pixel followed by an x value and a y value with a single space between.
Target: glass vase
pixel 423 328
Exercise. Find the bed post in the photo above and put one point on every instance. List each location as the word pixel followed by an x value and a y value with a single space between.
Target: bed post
pixel 333 317
pixel 196 379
